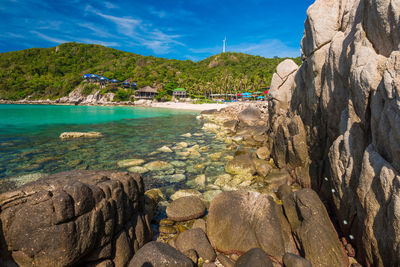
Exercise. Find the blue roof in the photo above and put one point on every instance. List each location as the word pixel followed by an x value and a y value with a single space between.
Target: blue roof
pixel 87 75
pixel 114 81
pixel 126 82
pixel 103 78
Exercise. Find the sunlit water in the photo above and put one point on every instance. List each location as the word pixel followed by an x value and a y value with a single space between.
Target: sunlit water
pixel 30 143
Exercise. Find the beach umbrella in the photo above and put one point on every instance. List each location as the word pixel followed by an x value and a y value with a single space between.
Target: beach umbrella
pixel 260 97
pixel 258 92
pixel 246 94
pixel 266 92
pixel 239 94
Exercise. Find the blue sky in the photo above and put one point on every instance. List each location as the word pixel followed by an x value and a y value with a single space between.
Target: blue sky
pixel 191 29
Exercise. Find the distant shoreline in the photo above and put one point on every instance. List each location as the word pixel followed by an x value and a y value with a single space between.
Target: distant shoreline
pixel 167 105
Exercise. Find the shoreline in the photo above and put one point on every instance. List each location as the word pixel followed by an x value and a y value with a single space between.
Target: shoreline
pixel 164 105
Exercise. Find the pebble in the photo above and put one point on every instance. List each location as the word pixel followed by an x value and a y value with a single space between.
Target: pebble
pixel 167 230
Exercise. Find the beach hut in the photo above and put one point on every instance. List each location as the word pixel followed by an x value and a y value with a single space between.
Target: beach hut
pixel 134 85
pixel 146 93
pixel 179 92
pixel 126 84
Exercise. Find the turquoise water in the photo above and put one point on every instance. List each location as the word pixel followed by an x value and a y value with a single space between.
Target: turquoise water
pixel 30 143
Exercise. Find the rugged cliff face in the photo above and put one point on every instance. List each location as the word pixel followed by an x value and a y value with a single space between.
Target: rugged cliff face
pixel 335 121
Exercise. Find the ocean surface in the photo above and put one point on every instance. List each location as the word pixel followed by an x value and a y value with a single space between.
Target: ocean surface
pixel 30 146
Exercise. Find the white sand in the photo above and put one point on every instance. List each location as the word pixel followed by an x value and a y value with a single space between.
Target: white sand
pixel 188 106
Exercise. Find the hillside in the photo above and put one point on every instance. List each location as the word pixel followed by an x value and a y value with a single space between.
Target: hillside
pixel 54 72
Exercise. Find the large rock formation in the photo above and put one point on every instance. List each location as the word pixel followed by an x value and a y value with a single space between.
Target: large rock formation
pixel 335 120
pixel 74 218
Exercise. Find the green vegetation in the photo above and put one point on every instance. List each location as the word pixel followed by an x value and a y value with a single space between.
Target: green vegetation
pixel 52 73
pixel 122 95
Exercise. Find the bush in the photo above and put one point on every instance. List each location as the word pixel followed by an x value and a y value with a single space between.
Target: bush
pixel 87 89
pixel 122 95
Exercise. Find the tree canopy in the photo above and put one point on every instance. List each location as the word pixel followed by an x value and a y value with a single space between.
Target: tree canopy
pixel 54 72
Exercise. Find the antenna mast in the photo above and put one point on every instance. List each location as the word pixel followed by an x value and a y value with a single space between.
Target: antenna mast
pixel 223 49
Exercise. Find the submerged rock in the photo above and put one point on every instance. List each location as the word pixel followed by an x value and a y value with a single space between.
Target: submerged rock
pixel 72 135
pixel 185 193
pixel 158 166
pixel 138 169
pixel 165 149
pixel 130 162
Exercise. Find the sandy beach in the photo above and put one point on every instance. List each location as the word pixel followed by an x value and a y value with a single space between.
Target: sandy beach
pixel 188 106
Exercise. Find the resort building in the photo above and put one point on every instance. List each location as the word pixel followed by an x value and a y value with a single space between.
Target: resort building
pixel 179 92
pixel 146 93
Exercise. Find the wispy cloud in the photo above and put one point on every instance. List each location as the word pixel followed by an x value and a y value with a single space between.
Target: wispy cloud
pixel 126 26
pixel 143 33
pixel 110 5
pixel 159 13
pixel 96 30
pixel 49 38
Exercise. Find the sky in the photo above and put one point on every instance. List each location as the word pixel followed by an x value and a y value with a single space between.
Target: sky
pixel 191 29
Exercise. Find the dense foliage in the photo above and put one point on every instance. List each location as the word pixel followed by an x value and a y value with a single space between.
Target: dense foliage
pixel 54 72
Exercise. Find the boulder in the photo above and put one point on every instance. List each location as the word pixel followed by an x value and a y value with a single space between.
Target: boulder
pixel 254 257
pixel 263 153
pixel 231 125
pixel 196 239
pixel 293 260
pixel 262 167
pixel 156 254
pixel 255 216
pixel 74 218
pixel 250 116
pixel 242 163
pixel 165 149
pixel 186 208
pixel 313 229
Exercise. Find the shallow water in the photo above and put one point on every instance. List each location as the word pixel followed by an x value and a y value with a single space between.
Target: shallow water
pixel 30 143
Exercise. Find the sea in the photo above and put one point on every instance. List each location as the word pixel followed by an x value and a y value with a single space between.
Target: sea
pixel 30 146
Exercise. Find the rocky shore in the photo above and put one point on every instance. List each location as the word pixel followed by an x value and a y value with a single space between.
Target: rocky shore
pixel 313 180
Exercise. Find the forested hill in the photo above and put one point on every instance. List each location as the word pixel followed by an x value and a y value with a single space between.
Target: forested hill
pixel 54 72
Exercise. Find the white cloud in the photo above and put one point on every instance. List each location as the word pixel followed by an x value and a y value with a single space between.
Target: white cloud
pixel 96 30
pixel 110 5
pixel 91 41
pixel 143 33
pixel 126 26
pixel 48 38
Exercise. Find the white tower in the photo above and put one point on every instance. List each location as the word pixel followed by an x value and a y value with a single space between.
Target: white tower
pixel 223 49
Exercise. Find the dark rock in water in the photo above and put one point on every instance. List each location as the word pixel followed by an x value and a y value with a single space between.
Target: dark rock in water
pixel 196 239
pixel 209 112
pixel 293 260
pixel 155 254
pixel 250 116
pixel 239 220
pixel 186 208
pixel 313 229
pixel 254 257
pixel 74 218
